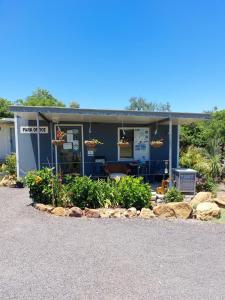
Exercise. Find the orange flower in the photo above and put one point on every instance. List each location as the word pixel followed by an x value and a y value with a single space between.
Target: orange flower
pixel 38 179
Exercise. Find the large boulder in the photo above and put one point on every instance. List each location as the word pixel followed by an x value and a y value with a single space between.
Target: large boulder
pixel 146 213
pixel 207 210
pixel 201 197
pixel 75 212
pixel 163 211
pixel 59 211
pixel 92 213
pixel 182 209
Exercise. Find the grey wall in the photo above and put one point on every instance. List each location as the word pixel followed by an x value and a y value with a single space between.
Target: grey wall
pixel 104 132
pixel 28 147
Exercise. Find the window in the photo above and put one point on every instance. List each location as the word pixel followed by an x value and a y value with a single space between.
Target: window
pixel 138 147
pixel 128 136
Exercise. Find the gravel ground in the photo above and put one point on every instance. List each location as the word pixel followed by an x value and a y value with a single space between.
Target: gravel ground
pixel 48 257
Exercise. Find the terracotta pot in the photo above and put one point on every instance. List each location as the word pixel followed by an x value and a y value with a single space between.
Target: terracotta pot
pixel 58 142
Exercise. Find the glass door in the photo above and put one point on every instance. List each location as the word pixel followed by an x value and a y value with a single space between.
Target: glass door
pixel 69 155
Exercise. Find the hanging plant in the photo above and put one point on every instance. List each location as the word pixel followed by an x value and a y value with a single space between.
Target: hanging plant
pixel 157 143
pixel 59 138
pixel 91 144
pixel 123 143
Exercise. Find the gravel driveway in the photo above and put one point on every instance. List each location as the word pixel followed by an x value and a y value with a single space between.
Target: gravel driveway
pixel 48 257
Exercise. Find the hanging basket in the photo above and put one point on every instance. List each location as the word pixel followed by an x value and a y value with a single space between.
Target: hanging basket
pixel 58 142
pixel 90 144
pixel 123 144
pixel 156 144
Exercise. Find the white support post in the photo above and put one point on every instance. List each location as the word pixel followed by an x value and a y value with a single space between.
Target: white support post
pixel 170 150
pixel 38 141
pixel 17 147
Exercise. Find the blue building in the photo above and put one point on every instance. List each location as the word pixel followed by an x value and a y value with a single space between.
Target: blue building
pixel 36 128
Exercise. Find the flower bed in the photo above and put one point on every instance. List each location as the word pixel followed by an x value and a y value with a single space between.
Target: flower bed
pixel 83 192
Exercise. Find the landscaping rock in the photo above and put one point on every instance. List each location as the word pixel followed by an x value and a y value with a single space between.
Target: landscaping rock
pixel 146 213
pixel 40 206
pixel 207 210
pixel 92 213
pixel 163 211
pixel 75 212
pixel 220 201
pixel 106 212
pixel 49 208
pixel 182 209
pixel 201 197
pixel 119 213
pixel 131 212
pixel 59 211
pixel 8 180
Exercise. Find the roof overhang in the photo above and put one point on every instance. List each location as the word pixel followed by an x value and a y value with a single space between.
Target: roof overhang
pixel 7 121
pixel 58 114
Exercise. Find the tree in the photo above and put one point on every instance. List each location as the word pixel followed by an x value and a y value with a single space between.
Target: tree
pixel 139 103
pixel 4 108
pixel 74 104
pixel 40 97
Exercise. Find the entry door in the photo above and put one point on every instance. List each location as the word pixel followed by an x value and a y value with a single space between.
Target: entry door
pixel 70 154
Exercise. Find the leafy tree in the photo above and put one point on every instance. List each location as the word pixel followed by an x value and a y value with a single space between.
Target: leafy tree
pixel 139 103
pixel 4 108
pixel 40 97
pixel 74 104
pixel 199 134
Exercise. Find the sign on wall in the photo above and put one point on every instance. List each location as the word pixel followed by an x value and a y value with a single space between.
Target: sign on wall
pixel 33 129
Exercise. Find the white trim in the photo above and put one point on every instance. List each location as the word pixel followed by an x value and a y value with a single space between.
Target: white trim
pixel 118 139
pixel 17 147
pixel 82 141
pixel 178 145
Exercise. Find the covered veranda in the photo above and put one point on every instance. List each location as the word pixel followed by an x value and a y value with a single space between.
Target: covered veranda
pixel 100 124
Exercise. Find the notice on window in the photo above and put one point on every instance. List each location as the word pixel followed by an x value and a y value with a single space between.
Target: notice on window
pixel 141 144
pixel 68 146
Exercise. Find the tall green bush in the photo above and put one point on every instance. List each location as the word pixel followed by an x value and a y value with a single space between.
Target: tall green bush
pixel 133 192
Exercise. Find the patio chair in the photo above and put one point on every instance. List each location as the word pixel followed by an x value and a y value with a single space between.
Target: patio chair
pixel 117 170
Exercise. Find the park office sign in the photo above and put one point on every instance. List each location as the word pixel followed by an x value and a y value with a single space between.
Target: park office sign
pixel 33 129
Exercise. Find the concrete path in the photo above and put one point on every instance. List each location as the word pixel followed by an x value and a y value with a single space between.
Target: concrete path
pixel 48 257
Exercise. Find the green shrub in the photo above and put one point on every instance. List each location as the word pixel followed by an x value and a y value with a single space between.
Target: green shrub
pixel 206 185
pixel 133 192
pixel 10 164
pixel 173 195
pixel 40 185
pixel 85 192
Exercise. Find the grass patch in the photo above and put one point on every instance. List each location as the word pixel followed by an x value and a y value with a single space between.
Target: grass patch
pixel 221 220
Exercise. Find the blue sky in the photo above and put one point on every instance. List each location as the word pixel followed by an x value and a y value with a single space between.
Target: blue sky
pixel 101 53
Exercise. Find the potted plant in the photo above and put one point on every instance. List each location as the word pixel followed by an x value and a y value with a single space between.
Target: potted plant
pixel 123 143
pixel 19 183
pixel 59 138
pixel 91 144
pixel 157 143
